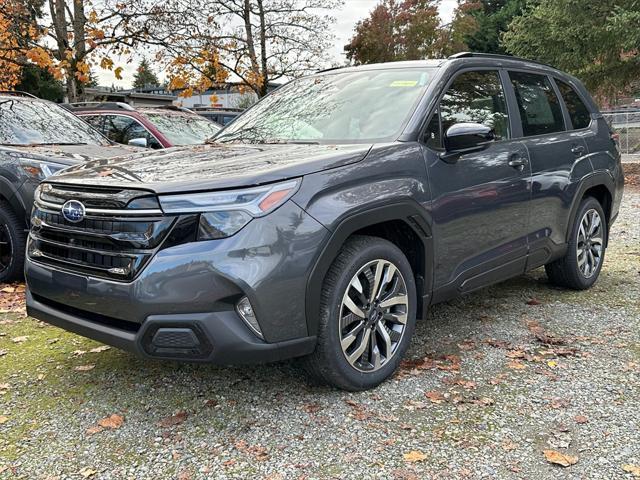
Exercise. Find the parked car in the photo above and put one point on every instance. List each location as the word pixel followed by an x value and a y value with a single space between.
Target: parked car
pixel 222 116
pixel 152 127
pixel 329 217
pixel 37 139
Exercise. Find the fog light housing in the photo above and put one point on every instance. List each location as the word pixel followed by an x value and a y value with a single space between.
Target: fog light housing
pixel 245 310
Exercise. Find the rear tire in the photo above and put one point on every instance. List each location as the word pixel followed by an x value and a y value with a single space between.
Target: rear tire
pixel 367 315
pixel 580 267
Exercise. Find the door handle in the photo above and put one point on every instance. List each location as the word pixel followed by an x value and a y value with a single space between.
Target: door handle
pixel 517 161
pixel 577 150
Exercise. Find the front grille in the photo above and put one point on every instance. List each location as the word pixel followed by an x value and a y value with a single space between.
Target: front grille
pixel 115 241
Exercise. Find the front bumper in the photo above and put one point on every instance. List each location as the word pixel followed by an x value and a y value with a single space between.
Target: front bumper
pixel 218 337
pixel 190 291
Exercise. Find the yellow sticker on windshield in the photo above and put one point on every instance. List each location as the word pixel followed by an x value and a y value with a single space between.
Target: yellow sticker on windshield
pixel 404 83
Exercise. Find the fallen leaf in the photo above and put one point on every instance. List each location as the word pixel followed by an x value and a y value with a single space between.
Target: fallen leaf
pixel 558 458
pixel 93 430
pixel 173 420
pixel 210 403
pixel 534 301
pixel 311 407
pixel 78 353
pixel 435 396
pixel 414 456
pixel 632 469
pixel 508 446
pixel 559 403
pixel 184 475
pixel 87 472
pixel 581 419
pixel 515 365
pixel 102 348
pixel 2 352
pixel 19 339
pixel 402 474
pixel 84 368
pixel 113 422
pixel 3 419
pixel 8 290
pixel 105 173
pixel 552 364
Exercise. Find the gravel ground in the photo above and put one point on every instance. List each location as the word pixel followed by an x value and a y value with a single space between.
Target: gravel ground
pixel 493 381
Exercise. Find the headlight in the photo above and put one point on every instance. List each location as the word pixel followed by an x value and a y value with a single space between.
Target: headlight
pixel 40 169
pixel 224 213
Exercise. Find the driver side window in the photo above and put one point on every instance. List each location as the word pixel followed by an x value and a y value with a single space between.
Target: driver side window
pixel 476 97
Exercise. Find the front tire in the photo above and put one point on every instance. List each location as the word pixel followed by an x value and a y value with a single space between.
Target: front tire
pixel 580 267
pixel 367 315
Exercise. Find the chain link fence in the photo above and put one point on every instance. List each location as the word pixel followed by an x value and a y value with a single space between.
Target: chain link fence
pixel 626 123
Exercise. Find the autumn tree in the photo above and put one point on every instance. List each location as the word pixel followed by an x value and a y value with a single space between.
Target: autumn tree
pixel 145 75
pixel 397 30
pixel 71 36
pixel 18 27
pixel 596 41
pixel 205 42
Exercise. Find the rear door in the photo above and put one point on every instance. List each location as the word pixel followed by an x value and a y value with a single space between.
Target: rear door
pixel 558 156
pixel 480 202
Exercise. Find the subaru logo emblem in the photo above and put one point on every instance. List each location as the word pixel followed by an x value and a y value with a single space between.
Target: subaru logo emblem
pixel 73 211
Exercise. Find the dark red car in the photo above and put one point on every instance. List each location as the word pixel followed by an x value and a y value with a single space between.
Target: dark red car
pixel 152 127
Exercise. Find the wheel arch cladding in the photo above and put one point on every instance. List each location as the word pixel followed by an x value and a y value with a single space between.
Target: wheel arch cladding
pixel 403 224
pixel 600 186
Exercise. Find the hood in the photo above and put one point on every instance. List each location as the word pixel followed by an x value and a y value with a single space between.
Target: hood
pixel 72 154
pixel 211 166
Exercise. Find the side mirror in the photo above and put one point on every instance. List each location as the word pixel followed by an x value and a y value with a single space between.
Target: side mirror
pixel 465 138
pixel 138 142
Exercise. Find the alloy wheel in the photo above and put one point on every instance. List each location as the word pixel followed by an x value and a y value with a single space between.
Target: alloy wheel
pixel 373 315
pixel 590 243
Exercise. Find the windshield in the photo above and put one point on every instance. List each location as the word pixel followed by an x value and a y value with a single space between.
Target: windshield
pixel 357 107
pixel 32 122
pixel 183 129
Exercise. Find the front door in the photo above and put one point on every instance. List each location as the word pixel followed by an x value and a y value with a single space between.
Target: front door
pixel 480 202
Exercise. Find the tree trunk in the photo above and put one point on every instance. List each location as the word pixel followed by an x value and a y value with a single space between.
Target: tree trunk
pixel 251 46
pixel 263 51
pixel 79 44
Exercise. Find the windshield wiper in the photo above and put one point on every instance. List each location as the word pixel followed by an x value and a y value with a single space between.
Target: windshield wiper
pixel 56 143
pixel 41 144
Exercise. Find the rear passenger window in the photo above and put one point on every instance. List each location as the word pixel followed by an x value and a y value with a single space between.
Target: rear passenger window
pixel 538 104
pixel 476 97
pixel 94 120
pixel 578 112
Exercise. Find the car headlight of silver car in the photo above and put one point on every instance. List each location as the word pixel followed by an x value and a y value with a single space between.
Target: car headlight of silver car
pixel 224 213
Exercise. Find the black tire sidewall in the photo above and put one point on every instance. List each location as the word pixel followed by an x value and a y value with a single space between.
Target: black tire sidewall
pixel 587 204
pixel 17 237
pixel 352 378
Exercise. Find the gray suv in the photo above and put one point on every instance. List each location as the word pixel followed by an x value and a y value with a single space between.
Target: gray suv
pixel 328 217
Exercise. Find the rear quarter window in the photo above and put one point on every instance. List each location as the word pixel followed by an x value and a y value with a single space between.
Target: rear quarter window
pixel 539 106
pixel 578 111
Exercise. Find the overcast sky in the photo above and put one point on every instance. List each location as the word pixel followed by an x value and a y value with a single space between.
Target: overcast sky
pixel 347 17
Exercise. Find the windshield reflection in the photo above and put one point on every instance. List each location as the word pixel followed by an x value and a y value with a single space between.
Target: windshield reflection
pixel 33 122
pixel 183 129
pixel 364 106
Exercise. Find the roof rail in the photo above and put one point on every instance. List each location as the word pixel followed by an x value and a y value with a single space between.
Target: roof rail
pixel 216 109
pixel 97 106
pixel 171 107
pixel 16 93
pixel 497 56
